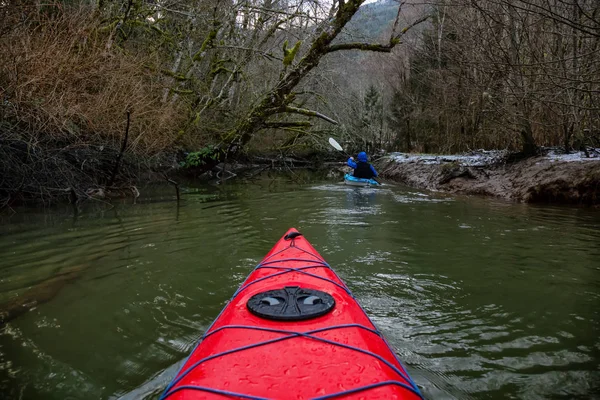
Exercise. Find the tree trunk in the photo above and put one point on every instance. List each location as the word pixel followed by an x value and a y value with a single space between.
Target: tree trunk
pixel 529 147
pixel 407 136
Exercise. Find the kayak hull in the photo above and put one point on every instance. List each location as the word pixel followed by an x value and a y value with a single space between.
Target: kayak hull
pixel 338 354
pixel 362 182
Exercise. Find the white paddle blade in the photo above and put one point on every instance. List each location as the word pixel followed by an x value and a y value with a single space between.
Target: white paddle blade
pixel 335 144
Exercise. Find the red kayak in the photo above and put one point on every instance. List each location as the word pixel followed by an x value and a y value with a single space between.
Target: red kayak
pixel 292 330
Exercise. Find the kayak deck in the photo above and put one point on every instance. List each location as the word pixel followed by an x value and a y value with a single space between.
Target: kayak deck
pixel 337 354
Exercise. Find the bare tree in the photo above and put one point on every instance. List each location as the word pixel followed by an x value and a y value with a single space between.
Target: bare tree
pixel 489 73
pixel 280 98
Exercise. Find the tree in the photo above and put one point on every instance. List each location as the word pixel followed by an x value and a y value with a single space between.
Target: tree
pixel 372 119
pixel 506 73
pixel 281 97
pixel 401 109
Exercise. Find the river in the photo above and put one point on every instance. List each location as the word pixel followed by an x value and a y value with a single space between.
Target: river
pixel 480 298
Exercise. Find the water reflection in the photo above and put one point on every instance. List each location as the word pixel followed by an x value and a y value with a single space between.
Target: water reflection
pixel 480 298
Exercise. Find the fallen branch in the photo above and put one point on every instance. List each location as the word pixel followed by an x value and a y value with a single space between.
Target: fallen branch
pixel 287 124
pixel 309 113
pixel 172 182
pixel 261 169
pixel 383 48
pixel 222 169
pixel 120 156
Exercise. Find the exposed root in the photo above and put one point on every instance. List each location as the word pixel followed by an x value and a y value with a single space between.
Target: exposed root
pixel 52 172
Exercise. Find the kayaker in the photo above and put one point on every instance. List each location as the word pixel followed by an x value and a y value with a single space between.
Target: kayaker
pixel 362 168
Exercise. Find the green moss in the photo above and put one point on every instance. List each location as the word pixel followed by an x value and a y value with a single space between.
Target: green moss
pixel 158 30
pixel 208 43
pixel 178 77
pixel 201 157
pixel 219 68
pixel 289 55
pixel 109 27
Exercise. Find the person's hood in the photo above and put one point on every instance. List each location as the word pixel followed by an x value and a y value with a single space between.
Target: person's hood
pixel 362 156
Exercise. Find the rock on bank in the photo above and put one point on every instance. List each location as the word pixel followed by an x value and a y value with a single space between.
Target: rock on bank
pixel 552 178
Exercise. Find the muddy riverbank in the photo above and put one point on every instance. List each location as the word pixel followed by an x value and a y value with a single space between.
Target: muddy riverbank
pixel 549 178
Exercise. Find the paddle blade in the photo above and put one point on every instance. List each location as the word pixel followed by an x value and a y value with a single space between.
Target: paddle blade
pixel 335 144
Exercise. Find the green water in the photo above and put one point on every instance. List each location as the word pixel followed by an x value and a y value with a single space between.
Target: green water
pixel 481 299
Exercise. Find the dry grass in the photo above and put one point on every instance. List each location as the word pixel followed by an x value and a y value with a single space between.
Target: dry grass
pixel 60 83
pixel 63 101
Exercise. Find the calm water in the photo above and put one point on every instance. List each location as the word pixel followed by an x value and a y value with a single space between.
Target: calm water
pixel 481 299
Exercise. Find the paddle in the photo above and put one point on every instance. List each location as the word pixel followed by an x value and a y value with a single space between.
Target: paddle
pixel 337 146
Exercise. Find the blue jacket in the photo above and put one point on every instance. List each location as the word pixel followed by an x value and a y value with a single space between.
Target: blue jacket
pixel 362 158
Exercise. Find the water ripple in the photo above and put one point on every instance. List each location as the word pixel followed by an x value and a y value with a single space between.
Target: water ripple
pixel 480 298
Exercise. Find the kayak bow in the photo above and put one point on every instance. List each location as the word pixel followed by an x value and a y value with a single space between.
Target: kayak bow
pixel 293 330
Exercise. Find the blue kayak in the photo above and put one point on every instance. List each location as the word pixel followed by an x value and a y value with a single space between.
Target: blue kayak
pixel 353 181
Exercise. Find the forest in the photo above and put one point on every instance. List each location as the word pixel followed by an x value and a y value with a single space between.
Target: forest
pixel 100 92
